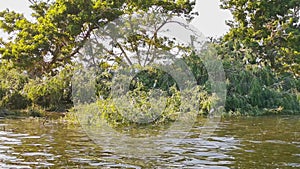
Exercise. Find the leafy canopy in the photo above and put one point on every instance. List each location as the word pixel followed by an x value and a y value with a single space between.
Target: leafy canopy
pixel 265 33
pixel 60 28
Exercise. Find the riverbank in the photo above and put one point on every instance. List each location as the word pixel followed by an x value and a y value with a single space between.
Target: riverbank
pixel 71 116
pixel 31 113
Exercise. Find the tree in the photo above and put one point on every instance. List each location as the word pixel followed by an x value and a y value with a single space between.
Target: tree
pixel 265 33
pixel 44 48
pixel 60 28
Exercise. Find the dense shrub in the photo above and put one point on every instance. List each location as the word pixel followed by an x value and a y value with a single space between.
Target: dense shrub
pixel 52 92
pixel 250 90
pixel 149 77
pixel 11 88
pixel 146 111
pixel 19 91
pixel 147 82
pixel 259 91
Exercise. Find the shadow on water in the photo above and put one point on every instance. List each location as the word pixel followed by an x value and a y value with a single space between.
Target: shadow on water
pixel 258 142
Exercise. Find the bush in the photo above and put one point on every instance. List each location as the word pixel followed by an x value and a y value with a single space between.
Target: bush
pixel 161 110
pixel 52 92
pixel 149 77
pixel 259 91
pixel 148 82
pixel 11 88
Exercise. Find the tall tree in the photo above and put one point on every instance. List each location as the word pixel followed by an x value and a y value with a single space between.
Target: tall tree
pixel 266 33
pixel 60 28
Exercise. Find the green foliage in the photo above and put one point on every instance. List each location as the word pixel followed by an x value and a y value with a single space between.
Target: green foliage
pixel 60 28
pixel 51 92
pixel 265 33
pixel 147 84
pixel 11 88
pixel 260 91
pixel 152 78
pixel 104 79
pixel 42 49
pixel 148 77
pixel 195 64
pixel 84 89
pixel 18 91
pixel 161 110
pixel 261 57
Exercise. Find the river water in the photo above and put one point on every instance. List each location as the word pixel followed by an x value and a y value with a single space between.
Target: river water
pixel 255 142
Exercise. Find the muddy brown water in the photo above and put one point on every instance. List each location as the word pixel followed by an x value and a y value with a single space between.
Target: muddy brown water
pixel 254 142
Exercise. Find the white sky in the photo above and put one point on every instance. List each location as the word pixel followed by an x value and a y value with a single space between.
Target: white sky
pixel 211 21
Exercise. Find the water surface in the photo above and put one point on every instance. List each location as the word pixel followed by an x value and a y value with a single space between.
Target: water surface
pixel 256 142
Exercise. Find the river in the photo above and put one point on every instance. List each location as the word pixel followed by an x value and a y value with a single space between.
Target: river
pixel 252 142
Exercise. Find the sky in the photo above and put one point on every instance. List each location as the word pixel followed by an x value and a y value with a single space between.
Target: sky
pixel 210 22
